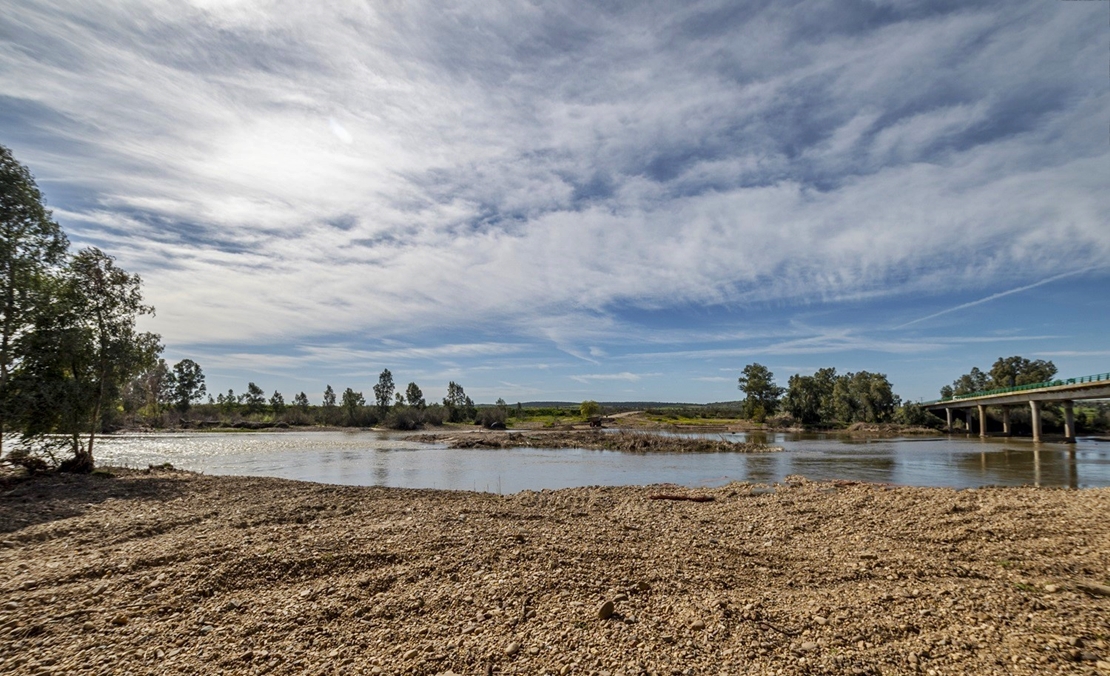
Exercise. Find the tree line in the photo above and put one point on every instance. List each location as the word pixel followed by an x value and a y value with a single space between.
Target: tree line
pixel 826 399
pixel 161 397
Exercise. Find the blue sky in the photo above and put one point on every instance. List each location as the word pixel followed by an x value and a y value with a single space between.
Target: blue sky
pixel 618 201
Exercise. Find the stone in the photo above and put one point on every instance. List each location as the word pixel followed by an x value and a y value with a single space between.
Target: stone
pixel 512 649
pixel 469 629
pixel 1093 588
pixel 120 620
pixel 697 625
pixel 1052 588
pixel 605 611
pixel 409 654
pixel 822 621
pixel 808 646
pixel 620 597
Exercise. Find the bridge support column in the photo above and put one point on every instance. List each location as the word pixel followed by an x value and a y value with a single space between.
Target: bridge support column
pixel 1035 407
pixel 1069 423
pixel 968 418
pixel 1006 421
pixel 982 421
pixel 948 414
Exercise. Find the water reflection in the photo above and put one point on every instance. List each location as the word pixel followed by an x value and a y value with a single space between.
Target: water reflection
pixel 387 459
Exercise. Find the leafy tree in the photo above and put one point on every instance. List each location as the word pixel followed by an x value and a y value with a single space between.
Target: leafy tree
pixel 85 350
pixel 150 390
pixel 228 402
pixel 329 397
pixel 762 395
pixel 352 403
pixel 301 402
pixel 383 391
pixel 277 403
pixel 188 384
pixel 254 399
pixel 809 398
pixel 1016 370
pixel 589 408
pixel 863 397
pixel 414 396
pixel 457 405
pixel 32 248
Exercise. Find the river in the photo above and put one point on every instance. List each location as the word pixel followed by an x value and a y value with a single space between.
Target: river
pixel 390 459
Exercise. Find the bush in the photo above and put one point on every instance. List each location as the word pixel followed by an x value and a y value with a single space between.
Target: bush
pixel 487 417
pixel 404 418
pixel 434 415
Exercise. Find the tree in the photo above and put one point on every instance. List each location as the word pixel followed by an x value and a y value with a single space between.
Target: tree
pixel 383 391
pixel 301 402
pixel 329 397
pixel 188 384
pixel 459 407
pixel 228 402
pixel 863 397
pixel 1016 370
pixel 352 403
pixel 762 395
pixel 87 349
pixel 414 396
pixel 254 399
pixel 589 409
pixel 277 403
pixel 32 248
pixel 149 391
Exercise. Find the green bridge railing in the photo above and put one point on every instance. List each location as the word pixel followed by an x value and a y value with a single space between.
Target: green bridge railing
pixel 1021 388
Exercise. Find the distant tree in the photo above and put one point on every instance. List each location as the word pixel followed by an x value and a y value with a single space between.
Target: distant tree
pixel 352 404
pixel 414 396
pixel 975 381
pixel 863 397
pixel 329 397
pixel 277 403
pixel 762 395
pixel 589 408
pixel 32 249
pixel 809 398
pixel 149 391
pixel 1016 370
pixel 456 404
pixel 947 392
pixel 301 402
pixel 228 402
pixel 254 399
pixel 383 391
pixel 188 384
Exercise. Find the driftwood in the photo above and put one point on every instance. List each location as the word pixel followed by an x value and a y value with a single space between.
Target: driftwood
pixel 686 498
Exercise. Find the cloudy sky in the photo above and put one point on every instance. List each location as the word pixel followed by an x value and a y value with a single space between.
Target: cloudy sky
pixel 556 200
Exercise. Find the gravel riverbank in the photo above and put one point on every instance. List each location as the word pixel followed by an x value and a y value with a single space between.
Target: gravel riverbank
pixel 168 572
pixel 617 440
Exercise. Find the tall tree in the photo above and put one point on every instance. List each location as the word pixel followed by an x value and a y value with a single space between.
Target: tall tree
pixel 254 398
pixel 277 403
pixel 415 396
pixel 92 348
pixel 329 397
pixel 1017 370
pixel 32 247
pixel 301 402
pixel 188 384
pixel 762 394
pixel 383 391
pixel 352 403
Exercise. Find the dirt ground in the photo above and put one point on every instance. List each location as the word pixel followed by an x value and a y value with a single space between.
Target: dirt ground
pixel 167 572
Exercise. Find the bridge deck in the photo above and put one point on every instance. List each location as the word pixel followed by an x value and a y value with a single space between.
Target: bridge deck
pixel 1087 387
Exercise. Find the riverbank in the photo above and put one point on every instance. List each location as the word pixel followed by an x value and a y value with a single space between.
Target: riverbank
pixel 171 572
pixel 628 442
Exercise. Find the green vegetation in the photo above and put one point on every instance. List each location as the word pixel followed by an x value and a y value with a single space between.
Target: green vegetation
pixel 69 346
pixel 762 394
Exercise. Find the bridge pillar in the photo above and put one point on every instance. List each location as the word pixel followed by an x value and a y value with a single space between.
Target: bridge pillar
pixel 1006 421
pixel 1069 423
pixel 982 421
pixel 948 414
pixel 968 418
pixel 1035 407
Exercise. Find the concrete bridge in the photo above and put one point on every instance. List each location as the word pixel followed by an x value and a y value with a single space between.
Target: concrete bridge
pixel 1064 392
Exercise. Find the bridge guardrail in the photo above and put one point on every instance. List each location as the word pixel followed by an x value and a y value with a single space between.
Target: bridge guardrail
pixel 1097 378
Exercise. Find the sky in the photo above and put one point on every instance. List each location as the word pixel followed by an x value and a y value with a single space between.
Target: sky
pixel 566 201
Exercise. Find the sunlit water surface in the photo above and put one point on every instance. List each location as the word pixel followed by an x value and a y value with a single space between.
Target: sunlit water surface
pixel 390 459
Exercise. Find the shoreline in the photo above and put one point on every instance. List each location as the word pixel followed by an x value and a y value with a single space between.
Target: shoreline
pixel 172 572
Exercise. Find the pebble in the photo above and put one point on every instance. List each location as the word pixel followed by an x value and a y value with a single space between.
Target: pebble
pixel 697 625
pixel 410 654
pixel 1052 588
pixel 512 649
pixel 120 620
pixel 605 611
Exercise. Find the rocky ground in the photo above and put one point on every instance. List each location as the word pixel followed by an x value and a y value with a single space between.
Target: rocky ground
pixel 616 440
pixel 167 572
